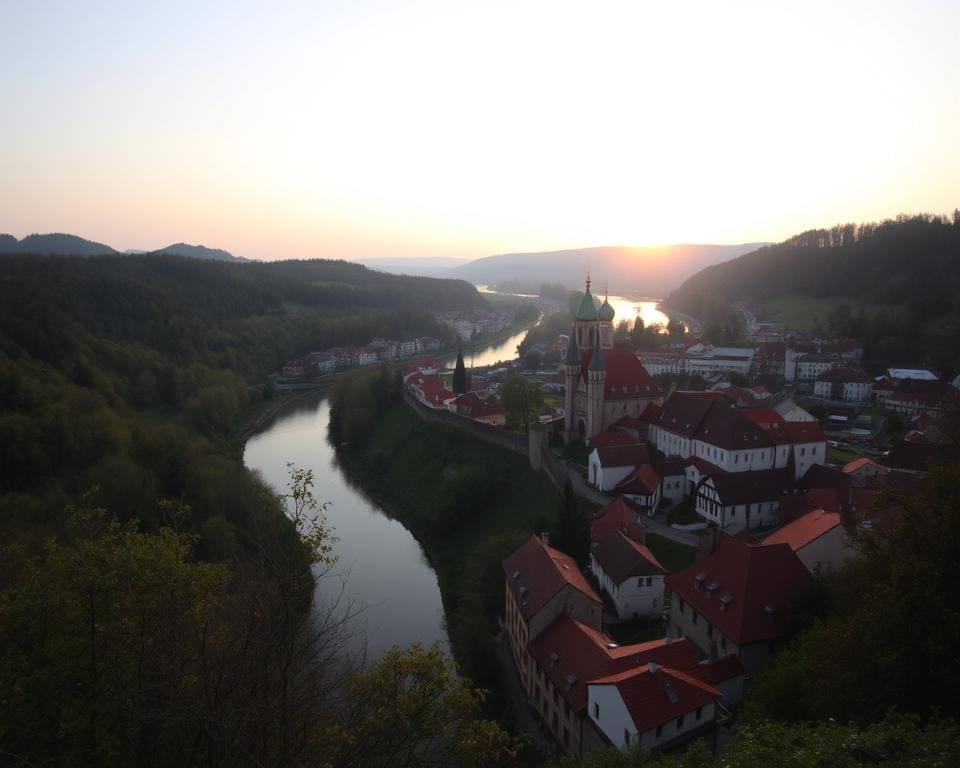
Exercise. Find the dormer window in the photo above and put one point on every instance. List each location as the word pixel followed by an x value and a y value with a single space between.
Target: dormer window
pixel 698 579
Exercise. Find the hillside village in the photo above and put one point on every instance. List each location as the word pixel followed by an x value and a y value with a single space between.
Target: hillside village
pixel 746 472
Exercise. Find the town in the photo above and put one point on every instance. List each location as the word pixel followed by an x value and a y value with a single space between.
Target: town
pixel 768 490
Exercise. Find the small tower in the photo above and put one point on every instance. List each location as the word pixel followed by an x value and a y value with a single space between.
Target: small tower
pixel 596 380
pixel 570 368
pixel 459 375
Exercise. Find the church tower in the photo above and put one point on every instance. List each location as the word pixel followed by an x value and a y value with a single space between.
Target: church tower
pixel 596 379
pixel 570 368
pixel 592 324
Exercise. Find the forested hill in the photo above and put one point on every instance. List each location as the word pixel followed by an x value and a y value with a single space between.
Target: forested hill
pixel 910 266
pixel 127 373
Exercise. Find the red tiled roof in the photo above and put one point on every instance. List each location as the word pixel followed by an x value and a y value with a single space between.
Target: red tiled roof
pixel 622 558
pixel 729 429
pixel 617 516
pixel 749 579
pixel 804 529
pixel 611 437
pixel 804 432
pixel 432 388
pixel 643 481
pixel 844 375
pixel 703 466
pixel 857 464
pixel 823 498
pixel 623 455
pixel 681 414
pixel 570 648
pixel 647 696
pixel 763 416
pixel 542 571
pixel 626 377
pixel 628 422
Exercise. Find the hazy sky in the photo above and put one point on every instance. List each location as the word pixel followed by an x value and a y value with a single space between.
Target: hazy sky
pixel 359 128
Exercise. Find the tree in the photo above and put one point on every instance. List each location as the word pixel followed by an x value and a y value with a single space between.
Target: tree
pixel 521 401
pixel 459 375
pixel 533 359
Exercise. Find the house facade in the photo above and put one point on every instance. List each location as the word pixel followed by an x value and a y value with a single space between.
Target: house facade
pixel 742 501
pixel 630 574
pixel 843 384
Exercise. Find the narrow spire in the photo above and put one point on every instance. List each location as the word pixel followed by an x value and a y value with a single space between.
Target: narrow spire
pixel 588 279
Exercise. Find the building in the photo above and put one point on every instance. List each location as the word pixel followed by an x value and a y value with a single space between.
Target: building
pixel 618 515
pixel 818 538
pixel 642 487
pixel 630 574
pixel 607 465
pixel 809 367
pixel 654 706
pixel 736 600
pixel 849 385
pixel 737 501
pixel 602 384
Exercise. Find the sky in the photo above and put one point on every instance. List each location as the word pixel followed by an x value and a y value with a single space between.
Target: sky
pixel 363 129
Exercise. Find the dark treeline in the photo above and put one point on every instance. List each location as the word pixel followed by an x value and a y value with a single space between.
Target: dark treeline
pixel 911 263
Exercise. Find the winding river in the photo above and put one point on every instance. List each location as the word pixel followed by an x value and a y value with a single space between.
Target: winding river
pixel 381 567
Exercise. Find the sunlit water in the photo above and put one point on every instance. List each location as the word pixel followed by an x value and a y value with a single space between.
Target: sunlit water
pixel 382 565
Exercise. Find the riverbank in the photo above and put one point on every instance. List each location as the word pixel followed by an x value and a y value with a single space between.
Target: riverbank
pixel 469 504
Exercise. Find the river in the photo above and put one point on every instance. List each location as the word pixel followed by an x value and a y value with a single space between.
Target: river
pixel 382 567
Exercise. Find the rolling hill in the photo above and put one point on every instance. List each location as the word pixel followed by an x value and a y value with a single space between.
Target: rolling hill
pixel 54 244
pixel 650 270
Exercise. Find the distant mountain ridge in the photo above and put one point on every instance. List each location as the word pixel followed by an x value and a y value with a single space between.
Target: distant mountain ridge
pixel 199 252
pixel 53 244
pixel 646 269
pixel 61 244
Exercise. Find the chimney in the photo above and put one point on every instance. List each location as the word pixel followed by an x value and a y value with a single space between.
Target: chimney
pixel 651 667
pixel 545 538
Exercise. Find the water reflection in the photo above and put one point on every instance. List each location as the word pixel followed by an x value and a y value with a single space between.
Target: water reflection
pixel 382 565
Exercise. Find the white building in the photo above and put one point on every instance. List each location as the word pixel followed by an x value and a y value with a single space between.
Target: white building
pixel 630 574
pixel 742 501
pixel 609 464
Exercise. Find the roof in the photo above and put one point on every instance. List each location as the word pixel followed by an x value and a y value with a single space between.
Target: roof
pixel 573 355
pixel 570 649
pixel 606 312
pixel 628 422
pixel 763 416
pixel 431 387
pixel 618 515
pixel 681 414
pixel 703 466
pixel 912 373
pixel 621 557
pixel 654 695
pixel 623 455
pixel 541 572
pixel 804 529
pixel 719 671
pixel 734 586
pixel 852 467
pixel 845 375
pixel 596 359
pixel 729 429
pixel 613 437
pixel 750 487
pixel 626 377
pixel 643 481
pixel 587 309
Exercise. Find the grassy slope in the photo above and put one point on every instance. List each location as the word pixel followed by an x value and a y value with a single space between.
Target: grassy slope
pixel 803 313
pixel 417 454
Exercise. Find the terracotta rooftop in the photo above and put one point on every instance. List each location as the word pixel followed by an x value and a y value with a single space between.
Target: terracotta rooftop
pixel 744 590
pixel 613 437
pixel 804 529
pixel 626 377
pixel 644 481
pixel 536 572
pixel 618 515
pixel 572 654
pixel 623 455
pixel 656 697
pixel 751 487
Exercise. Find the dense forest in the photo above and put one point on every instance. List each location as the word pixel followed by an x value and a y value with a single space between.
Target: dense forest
pixel 153 591
pixel 909 267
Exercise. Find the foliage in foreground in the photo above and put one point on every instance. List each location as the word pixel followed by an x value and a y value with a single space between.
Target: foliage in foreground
pixel 118 647
pixel 896 742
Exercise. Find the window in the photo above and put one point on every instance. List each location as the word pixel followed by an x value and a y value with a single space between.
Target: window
pixel 803 451
pixel 659 731
pixel 695 617
pixel 640 581
pixel 682 604
pixel 649 581
pixel 699 712
pixel 723 642
pixel 680 722
pixel 709 630
pixel 626 737
pixel 596 710
pixel 736 458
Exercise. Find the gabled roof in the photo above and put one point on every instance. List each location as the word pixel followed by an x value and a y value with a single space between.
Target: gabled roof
pixel 681 414
pixel 803 432
pixel 703 466
pixel 805 529
pixel 844 375
pixel 618 515
pixel 750 487
pixel 613 437
pixel 656 697
pixel 626 378
pixel 744 590
pixel 622 558
pixel 628 422
pixel 536 572
pixel 852 467
pixel 643 481
pixel 573 654
pixel 729 429
pixel 622 455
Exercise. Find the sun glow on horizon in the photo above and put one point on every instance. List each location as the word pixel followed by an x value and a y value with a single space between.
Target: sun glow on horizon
pixel 369 129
